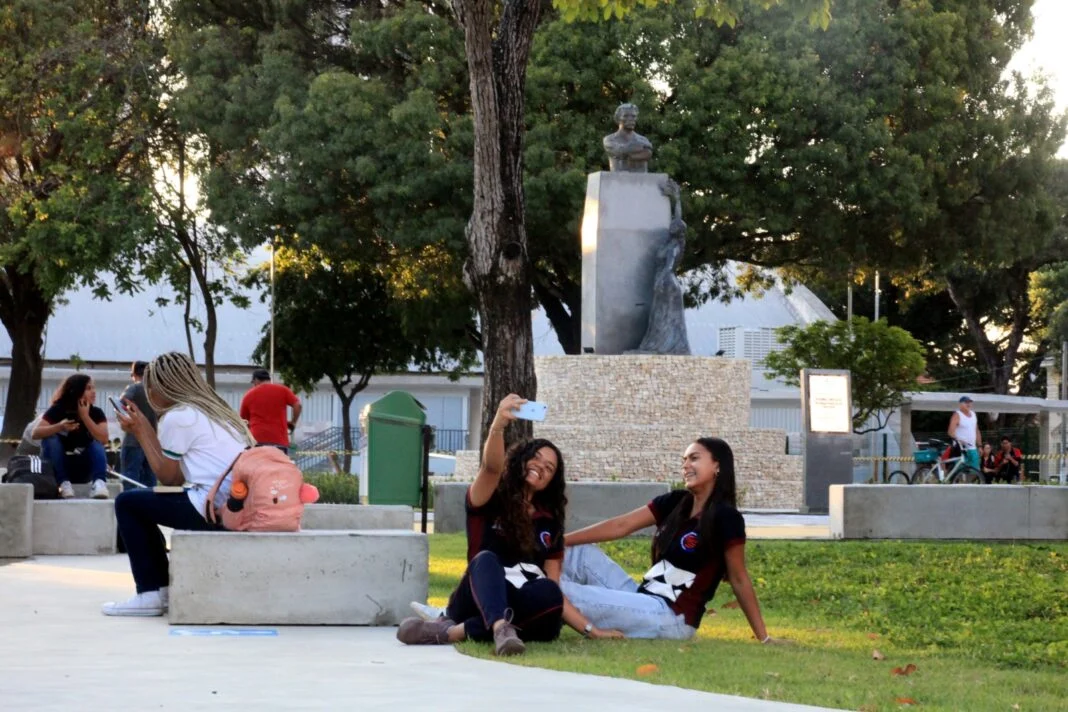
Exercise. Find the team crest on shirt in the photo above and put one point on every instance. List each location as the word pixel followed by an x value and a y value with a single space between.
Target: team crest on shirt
pixel 688 542
pixel 546 538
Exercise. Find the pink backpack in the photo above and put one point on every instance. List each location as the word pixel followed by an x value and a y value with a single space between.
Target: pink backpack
pixel 274 502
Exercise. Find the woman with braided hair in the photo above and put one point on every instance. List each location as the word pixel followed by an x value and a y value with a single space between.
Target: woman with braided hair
pixel 510 592
pixel 199 437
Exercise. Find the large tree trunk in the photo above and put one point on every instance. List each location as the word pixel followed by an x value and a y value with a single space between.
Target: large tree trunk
pixel 497 270
pixel 24 311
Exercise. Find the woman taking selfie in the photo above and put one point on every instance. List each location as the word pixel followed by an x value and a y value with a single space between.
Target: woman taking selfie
pixel 515 543
pixel 699 540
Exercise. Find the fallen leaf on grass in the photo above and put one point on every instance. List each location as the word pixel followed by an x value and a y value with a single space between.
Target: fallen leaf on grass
pixel 906 701
pixel 1016 706
pixel 730 604
pixel 772 674
pixel 907 670
pixel 649 669
pixel 868 708
pixel 873 636
pixel 876 655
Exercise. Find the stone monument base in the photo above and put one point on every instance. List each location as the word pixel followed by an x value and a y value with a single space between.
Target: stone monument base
pixel 630 418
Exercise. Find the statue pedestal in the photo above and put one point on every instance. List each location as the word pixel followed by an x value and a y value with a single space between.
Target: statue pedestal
pixel 626 219
pixel 630 418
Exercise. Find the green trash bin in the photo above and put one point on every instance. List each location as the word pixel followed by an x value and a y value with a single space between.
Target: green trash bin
pixel 394 468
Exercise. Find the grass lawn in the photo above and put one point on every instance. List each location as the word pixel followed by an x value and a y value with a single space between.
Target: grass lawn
pixel 985 625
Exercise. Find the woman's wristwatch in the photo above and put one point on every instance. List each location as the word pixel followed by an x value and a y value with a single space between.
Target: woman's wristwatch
pixel 587 630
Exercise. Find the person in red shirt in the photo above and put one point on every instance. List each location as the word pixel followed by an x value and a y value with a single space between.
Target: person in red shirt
pixel 1007 463
pixel 264 408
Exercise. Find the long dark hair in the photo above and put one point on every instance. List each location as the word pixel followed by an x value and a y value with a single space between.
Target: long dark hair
pixel 723 490
pixel 516 523
pixel 71 391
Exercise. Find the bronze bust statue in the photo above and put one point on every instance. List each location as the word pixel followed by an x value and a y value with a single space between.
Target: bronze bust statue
pixel 627 151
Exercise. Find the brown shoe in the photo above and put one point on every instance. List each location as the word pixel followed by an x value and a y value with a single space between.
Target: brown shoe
pixel 506 640
pixel 415 631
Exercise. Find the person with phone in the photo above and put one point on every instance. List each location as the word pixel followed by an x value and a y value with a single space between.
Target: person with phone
pixel 198 438
pixel 73 432
pixel 510 592
pixel 132 461
pixel 699 540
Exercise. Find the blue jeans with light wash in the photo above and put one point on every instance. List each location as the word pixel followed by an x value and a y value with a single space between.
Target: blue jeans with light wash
pixel 90 464
pixel 135 466
pixel 609 598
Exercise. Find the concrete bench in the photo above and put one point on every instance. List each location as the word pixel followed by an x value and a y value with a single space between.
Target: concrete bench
pixel 356 516
pixel 302 578
pixel 948 512
pixel 82 491
pixel 16 521
pixel 587 502
pixel 74 527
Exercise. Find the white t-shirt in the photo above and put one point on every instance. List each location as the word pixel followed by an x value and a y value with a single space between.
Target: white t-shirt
pixel 203 449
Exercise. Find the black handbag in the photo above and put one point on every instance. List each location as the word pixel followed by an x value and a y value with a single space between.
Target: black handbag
pixel 33 470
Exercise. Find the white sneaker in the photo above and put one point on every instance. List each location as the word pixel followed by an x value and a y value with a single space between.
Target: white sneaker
pixel 99 490
pixel 66 490
pixel 143 604
pixel 426 612
pixel 165 597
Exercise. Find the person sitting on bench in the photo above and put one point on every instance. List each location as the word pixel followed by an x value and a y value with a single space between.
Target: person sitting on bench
pixel 73 432
pixel 199 437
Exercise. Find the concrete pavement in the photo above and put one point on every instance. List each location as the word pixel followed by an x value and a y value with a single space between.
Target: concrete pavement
pixel 57 652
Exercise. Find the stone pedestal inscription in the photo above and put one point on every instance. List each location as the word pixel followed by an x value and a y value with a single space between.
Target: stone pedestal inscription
pixel 625 222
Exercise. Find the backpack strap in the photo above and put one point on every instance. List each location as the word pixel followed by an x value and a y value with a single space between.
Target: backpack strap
pixel 215 488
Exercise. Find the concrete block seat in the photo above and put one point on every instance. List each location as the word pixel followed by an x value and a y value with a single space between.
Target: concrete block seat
pixel 949 512
pixel 301 578
pixel 356 516
pixel 16 521
pixel 82 491
pixel 74 527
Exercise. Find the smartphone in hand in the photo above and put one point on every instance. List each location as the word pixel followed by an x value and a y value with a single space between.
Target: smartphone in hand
pixel 531 410
pixel 118 406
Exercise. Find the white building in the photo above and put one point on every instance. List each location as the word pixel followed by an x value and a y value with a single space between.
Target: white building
pixel 104 337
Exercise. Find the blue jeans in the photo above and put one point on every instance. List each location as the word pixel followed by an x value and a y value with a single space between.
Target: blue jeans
pixel 140 513
pixel 609 597
pixel 484 597
pixel 91 464
pixel 135 466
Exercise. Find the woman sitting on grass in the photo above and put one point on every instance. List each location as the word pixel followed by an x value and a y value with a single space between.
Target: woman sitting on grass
pixel 510 592
pixel 199 437
pixel 700 538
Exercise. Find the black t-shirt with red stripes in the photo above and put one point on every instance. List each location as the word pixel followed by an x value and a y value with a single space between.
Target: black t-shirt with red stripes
pixel 484 534
pixel 687 575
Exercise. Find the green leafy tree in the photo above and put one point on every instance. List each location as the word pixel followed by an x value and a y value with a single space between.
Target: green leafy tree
pixel 345 320
pixel 78 99
pixel 884 362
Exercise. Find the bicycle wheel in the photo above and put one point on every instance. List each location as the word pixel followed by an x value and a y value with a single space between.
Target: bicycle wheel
pixel 967 475
pixel 924 475
pixel 898 477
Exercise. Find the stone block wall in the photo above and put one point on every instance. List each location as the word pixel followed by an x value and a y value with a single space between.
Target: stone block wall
pixel 631 418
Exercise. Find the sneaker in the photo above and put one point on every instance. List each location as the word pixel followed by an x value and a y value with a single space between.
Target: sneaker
pixel 506 641
pixel 415 631
pixel 66 490
pixel 99 490
pixel 143 604
pixel 426 612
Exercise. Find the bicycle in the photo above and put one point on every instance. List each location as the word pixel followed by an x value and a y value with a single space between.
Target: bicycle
pixel 953 470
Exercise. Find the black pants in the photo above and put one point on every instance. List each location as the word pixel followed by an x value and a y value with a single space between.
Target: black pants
pixel 484 597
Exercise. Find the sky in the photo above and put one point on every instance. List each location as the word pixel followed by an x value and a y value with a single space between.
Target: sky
pixel 1047 51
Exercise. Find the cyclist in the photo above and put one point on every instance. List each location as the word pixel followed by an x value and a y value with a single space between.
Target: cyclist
pixel 964 428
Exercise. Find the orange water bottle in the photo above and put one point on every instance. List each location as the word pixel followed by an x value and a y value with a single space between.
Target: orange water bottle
pixel 238 493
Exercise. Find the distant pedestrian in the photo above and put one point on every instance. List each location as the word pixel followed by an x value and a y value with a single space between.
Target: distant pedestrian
pixel 265 409
pixel 1007 462
pixel 964 428
pixel 131 456
pixel 989 463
